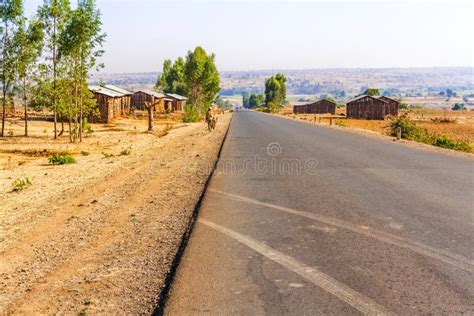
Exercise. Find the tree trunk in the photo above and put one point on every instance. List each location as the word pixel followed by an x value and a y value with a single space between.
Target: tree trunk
pixel 4 111
pixel 26 107
pixel 55 110
pixel 81 101
pixel 151 120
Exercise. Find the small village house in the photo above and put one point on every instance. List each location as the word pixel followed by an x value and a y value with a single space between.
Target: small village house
pixel 158 99
pixel 109 104
pixel 126 100
pixel 318 107
pixel 178 102
pixel 371 107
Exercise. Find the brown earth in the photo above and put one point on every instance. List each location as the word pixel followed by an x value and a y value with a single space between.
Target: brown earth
pixel 98 236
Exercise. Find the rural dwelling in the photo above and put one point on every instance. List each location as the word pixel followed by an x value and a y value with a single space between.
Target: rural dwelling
pixel 140 97
pixel 109 104
pixel 178 102
pixel 371 107
pixel 318 107
pixel 126 101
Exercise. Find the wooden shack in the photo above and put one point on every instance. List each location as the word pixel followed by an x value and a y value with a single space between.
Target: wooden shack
pixel 140 97
pixel 392 107
pixel 178 102
pixel 126 100
pixel 318 107
pixel 109 104
pixel 369 108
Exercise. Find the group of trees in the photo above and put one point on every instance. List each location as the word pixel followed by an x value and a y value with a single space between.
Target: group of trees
pixel 253 100
pixel 275 92
pixel 46 60
pixel 195 77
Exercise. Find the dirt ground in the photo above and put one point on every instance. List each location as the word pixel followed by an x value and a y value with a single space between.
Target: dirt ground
pixel 98 236
pixel 458 125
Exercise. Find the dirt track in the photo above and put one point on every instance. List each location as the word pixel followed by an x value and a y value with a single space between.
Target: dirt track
pixel 99 236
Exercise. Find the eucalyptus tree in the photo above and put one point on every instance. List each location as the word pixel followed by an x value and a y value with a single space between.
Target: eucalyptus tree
pixel 81 42
pixel 28 44
pixel 54 15
pixel 11 12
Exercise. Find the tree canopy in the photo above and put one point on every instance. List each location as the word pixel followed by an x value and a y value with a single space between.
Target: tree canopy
pixel 275 92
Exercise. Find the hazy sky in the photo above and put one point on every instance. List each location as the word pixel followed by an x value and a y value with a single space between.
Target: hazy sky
pixel 287 35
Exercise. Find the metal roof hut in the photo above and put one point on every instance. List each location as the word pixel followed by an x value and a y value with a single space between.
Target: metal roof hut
pixel 178 102
pixel 126 101
pixel 368 107
pixel 146 95
pixel 108 103
pixel 318 107
pixel 392 107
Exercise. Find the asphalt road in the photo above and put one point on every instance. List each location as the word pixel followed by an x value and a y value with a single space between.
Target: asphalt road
pixel 303 220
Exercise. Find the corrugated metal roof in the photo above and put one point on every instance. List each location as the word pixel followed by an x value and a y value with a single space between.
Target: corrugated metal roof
pixel 105 91
pixel 152 93
pixel 176 96
pixel 117 89
pixel 384 96
pixel 363 96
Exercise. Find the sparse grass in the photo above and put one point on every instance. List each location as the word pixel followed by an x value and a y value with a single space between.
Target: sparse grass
pixel 61 159
pixel 341 123
pixel 107 155
pixel 85 153
pixel 21 183
pixel 125 151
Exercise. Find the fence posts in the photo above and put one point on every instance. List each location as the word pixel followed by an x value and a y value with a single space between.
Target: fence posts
pixel 330 121
pixel 399 133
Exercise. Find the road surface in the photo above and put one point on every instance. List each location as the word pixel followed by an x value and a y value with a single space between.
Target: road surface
pixel 303 220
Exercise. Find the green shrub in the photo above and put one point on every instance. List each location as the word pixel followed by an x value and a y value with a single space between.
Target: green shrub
pixel 86 127
pixel 191 114
pixel 263 109
pixel 126 151
pixel 84 153
pixel 446 142
pixel 61 159
pixel 341 123
pixel 107 155
pixel 410 130
pixel 20 184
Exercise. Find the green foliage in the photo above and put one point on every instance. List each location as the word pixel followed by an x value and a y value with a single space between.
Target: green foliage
pixel 403 106
pixel 202 79
pixel 21 183
pixel 223 104
pixel 409 129
pixel 172 79
pixel 372 92
pixel 446 142
pixel 191 114
pixel 341 123
pixel 263 109
pixel 61 159
pixel 275 92
pixel 107 155
pixel 253 100
pixel 416 133
pixel 458 107
pixel 86 126
pixel 85 153
pixel 125 151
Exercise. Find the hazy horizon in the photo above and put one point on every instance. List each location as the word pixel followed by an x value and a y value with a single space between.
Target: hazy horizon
pixel 279 35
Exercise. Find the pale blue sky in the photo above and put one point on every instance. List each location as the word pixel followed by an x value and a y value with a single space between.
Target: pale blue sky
pixel 284 35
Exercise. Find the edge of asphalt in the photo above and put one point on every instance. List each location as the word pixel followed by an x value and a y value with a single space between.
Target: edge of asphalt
pixel 382 137
pixel 165 290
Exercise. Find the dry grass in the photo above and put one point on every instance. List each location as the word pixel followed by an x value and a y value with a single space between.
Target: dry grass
pixel 457 125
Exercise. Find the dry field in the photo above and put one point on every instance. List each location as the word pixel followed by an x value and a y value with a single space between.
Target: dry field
pixel 458 125
pixel 98 236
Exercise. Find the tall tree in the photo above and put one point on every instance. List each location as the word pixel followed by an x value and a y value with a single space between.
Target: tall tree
pixel 54 15
pixel 202 80
pixel 275 92
pixel 81 42
pixel 11 12
pixel 29 44
pixel 171 80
